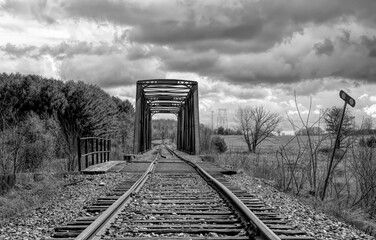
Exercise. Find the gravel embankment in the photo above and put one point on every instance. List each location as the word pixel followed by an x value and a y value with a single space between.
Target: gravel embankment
pixel 69 204
pixel 65 206
pixel 304 217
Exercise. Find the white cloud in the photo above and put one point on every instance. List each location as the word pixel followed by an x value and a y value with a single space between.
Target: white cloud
pixel 371 110
pixel 364 96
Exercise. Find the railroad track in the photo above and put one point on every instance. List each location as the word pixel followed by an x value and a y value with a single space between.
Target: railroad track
pixel 177 199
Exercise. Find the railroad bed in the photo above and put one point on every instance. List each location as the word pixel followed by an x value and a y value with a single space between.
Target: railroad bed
pixel 177 199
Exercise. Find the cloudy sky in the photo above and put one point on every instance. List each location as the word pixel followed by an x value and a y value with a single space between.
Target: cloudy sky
pixel 242 52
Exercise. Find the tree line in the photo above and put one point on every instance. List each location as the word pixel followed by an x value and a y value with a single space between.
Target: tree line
pixel 164 129
pixel 41 119
pixel 256 124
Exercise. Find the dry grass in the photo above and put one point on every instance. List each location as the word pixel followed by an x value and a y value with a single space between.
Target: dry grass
pixel 264 165
pixel 26 195
pixel 256 165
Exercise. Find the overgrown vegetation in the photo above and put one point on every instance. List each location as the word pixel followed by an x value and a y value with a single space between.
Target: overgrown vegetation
pixel 218 144
pixel 41 119
pixel 27 194
pixel 301 166
pixel 206 135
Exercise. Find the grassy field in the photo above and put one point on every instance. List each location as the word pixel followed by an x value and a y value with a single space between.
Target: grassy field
pixel 291 171
pixel 236 143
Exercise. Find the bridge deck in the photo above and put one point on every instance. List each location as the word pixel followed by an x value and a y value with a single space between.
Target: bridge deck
pixel 141 166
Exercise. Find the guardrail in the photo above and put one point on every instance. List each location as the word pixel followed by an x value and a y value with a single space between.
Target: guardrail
pixel 96 148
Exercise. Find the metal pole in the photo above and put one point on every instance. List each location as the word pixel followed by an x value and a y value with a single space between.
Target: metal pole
pixel 333 153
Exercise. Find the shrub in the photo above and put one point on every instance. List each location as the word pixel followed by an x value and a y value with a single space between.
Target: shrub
pixel 26 146
pixel 39 144
pixel 368 142
pixel 219 144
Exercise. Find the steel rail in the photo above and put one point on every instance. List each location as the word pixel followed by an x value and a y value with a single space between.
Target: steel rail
pixel 91 231
pixel 264 231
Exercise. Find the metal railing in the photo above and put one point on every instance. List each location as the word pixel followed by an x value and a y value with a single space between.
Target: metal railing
pixel 92 150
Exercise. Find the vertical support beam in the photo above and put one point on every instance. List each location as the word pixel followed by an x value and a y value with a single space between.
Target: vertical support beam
pixel 149 128
pixel 179 130
pixel 196 121
pixel 137 120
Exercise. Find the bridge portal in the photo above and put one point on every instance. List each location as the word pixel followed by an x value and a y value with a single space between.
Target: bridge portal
pixel 179 97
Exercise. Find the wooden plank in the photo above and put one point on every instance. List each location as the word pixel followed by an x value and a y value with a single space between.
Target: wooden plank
pixel 101 167
pixel 297 238
pixel 184 238
pixel 190 213
pixel 188 230
pixel 209 216
pixel 190 226
pixel 194 221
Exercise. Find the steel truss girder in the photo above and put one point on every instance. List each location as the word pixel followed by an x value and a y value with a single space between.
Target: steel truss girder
pixel 179 97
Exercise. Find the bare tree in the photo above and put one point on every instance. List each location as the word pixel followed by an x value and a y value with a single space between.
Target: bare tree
pixel 257 124
pixel 279 131
pixel 308 146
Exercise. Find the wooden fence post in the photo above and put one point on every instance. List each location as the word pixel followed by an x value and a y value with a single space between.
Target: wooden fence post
pixel 86 156
pixel 79 153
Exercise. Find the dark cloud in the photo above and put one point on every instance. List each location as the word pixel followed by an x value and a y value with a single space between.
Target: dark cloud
pixel 174 32
pixel 326 47
pixel 224 26
pixel 233 41
pixel 41 10
pixel 246 94
pixel 137 52
pixel 185 61
pixel 17 51
pixel 60 51
pixel 69 49
pixel 370 43
pixel 372 53
pixel 108 71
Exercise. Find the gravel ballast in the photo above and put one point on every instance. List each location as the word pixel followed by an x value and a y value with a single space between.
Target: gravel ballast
pixel 318 225
pixel 69 202
pixel 67 205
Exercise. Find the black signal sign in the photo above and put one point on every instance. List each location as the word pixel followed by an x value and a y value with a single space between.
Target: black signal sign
pixel 349 100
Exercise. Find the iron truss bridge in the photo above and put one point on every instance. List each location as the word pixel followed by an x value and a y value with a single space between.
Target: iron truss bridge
pixel 171 96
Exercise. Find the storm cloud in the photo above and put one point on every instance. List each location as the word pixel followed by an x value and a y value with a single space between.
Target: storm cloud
pixel 238 42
